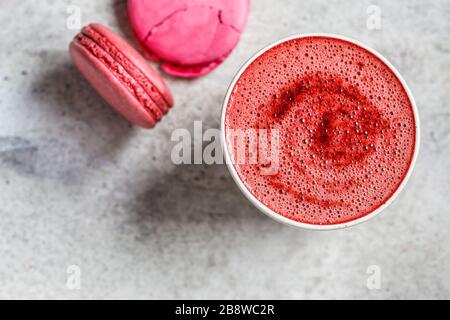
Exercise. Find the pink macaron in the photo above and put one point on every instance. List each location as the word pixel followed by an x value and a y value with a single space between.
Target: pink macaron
pixel 121 75
pixel 190 38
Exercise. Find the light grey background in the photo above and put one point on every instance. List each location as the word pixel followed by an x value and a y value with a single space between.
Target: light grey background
pixel 80 186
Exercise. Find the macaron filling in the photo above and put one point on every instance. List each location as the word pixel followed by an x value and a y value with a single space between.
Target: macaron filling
pixel 152 90
pixel 121 74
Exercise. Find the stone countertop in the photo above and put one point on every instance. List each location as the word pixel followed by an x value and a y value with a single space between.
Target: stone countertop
pixel 80 187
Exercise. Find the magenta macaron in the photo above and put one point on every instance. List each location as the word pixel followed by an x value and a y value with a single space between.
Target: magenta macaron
pixel 190 38
pixel 121 75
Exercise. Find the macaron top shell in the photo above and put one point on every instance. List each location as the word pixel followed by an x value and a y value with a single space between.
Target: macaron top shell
pixel 121 75
pixel 189 37
pixel 138 65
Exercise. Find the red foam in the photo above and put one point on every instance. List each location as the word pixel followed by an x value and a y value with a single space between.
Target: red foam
pixel 347 129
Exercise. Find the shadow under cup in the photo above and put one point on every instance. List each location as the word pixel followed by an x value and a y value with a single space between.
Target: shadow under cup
pixel 230 161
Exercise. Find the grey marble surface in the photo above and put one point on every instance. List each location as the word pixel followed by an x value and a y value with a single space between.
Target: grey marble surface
pixel 80 186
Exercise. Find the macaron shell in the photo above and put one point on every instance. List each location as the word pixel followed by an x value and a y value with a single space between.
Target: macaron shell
pixel 140 69
pixel 202 46
pixel 194 71
pixel 234 14
pixel 109 87
pixel 189 37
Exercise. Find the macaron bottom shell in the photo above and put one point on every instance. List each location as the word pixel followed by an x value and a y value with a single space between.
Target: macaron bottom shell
pixel 191 71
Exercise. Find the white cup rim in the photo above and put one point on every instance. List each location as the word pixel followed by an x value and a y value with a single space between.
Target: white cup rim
pixel 278 217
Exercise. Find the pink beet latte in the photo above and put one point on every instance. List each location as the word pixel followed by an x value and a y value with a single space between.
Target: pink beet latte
pixel 346 123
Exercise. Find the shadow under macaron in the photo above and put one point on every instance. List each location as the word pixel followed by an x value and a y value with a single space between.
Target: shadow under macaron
pixel 82 119
pixel 121 15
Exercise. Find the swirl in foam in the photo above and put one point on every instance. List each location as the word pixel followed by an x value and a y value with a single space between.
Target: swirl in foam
pixel 346 124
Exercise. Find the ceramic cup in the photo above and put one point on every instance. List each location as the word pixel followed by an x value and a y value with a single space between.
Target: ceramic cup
pixel 272 214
